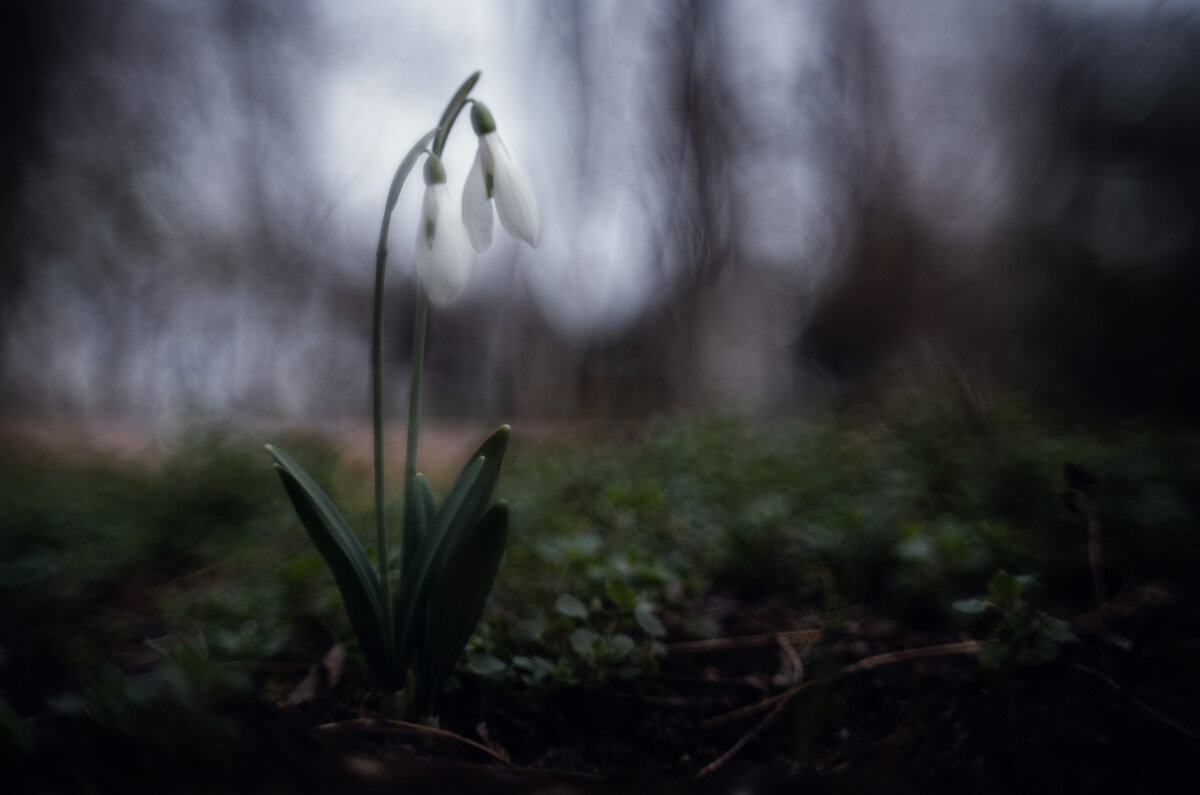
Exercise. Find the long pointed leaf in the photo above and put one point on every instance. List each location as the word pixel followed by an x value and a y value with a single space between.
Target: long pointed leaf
pixel 449 524
pixel 464 505
pixel 456 601
pixel 492 452
pixel 418 519
pixel 416 527
pixel 344 555
pixel 492 449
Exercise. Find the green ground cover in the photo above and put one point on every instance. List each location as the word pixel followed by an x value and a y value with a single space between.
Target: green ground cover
pixel 124 583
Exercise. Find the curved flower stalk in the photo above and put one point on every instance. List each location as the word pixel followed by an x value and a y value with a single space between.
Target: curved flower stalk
pixel 495 176
pixel 451 550
pixel 442 252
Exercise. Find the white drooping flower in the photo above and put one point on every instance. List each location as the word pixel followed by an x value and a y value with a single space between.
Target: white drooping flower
pixel 496 176
pixel 443 254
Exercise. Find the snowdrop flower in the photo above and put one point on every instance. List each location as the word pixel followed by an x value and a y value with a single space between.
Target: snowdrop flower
pixel 495 176
pixel 442 253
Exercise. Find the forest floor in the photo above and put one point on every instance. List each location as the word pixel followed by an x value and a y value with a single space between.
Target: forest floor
pixel 783 691
pixel 779 703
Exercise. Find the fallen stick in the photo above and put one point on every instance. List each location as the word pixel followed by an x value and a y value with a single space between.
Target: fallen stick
pixel 798 677
pixel 420 728
pixel 888 658
pixel 719 762
pixel 800 636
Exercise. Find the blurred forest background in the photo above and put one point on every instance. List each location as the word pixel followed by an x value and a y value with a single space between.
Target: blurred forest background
pixel 745 204
pixel 969 229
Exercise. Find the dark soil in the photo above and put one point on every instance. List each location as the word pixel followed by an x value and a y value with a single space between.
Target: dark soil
pixel 1108 716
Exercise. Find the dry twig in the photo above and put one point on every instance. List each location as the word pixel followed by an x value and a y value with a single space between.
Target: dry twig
pixel 803 637
pixel 888 658
pixel 797 676
pixel 420 729
pixel 793 658
pixel 717 763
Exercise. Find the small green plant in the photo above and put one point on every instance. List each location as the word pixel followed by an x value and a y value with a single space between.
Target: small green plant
pixel 1025 636
pixel 450 552
pixel 579 643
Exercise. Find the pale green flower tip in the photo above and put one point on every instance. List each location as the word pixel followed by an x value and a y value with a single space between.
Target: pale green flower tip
pixel 481 119
pixel 435 172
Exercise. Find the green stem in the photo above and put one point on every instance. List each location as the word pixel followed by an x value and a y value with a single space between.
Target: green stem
pixel 414 422
pixel 451 113
pixel 381 538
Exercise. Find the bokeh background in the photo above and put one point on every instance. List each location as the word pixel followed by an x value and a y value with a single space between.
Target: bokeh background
pixel 757 205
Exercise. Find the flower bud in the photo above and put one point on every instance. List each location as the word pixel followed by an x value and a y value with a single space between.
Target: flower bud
pixel 481 119
pixel 435 172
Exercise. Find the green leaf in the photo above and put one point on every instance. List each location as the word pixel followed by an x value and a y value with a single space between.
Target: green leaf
pixel 531 629
pixel 620 593
pixel 479 486
pixel 1059 631
pixel 584 642
pixel 417 521
pixel 484 664
pixel 620 646
pixel 571 606
pixel 971 607
pixel 644 615
pixel 1004 588
pixel 492 451
pixel 456 601
pixel 463 507
pixel 356 580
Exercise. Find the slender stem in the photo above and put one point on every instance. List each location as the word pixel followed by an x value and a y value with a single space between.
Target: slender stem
pixel 381 539
pixel 414 401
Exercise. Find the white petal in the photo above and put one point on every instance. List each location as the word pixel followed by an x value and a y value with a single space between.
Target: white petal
pixel 445 261
pixel 477 208
pixel 515 204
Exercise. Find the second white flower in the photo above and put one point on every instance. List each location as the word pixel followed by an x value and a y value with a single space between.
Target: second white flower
pixel 495 176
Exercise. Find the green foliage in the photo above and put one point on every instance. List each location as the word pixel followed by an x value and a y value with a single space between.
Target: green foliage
pixel 89 545
pixel 1025 636
pixel 610 636
pixel 616 537
pixel 443 586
